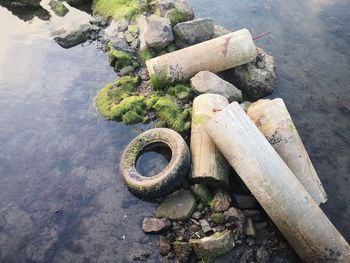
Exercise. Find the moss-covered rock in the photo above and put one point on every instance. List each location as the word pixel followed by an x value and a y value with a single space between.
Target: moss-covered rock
pixel 218 218
pixel 58 8
pixel 132 117
pixel 114 93
pixel 159 81
pixel 135 104
pixel 118 9
pixel 172 116
pixel 182 250
pixel 146 54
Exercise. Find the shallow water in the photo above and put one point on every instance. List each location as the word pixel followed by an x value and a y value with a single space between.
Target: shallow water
pixel 61 198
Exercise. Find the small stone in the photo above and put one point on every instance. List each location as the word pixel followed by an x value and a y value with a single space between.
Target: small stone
pixel 196 215
pixel 213 246
pixel 208 82
pixel 202 194
pixel 200 207
pixel 164 246
pixel 250 241
pixel 155 225
pixel 234 215
pixel 262 255
pixel 135 44
pixel 182 250
pixel 221 202
pixel 177 206
pixel 245 201
pixel 258 78
pixel 250 229
pixel 58 8
pixel 260 226
pixel 120 44
pixel 159 33
pixel 163 7
pixel 193 32
pixel 205 226
pixel 245 105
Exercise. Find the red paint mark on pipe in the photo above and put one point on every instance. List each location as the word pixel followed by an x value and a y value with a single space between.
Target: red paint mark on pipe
pixel 224 49
pixel 216 110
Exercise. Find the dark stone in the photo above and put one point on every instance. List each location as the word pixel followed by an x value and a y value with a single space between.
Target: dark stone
pixel 221 202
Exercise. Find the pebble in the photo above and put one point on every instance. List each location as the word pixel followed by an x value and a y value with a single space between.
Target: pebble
pixel 197 215
pixel 155 225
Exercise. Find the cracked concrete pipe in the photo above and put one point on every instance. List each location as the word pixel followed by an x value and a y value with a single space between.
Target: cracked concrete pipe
pixel 273 120
pixel 215 55
pixel 279 192
pixel 208 164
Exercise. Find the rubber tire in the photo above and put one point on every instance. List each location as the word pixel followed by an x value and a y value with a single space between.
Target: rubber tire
pixel 166 181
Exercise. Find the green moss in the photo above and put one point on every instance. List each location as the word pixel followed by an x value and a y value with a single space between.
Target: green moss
pixel 202 194
pixel 171 116
pixel 118 9
pixel 171 48
pixel 207 259
pixel 181 91
pixel 133 103
pixel 146 54
pixel 159 81
pixel 132 117
pixel 113 93
pixel 177 16
pixel 218 218
pixel 58 8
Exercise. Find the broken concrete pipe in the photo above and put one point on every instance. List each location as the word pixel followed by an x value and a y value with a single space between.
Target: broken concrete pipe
pixel 215 55
pixel 277 189
pixel 274 121
pixel 208 164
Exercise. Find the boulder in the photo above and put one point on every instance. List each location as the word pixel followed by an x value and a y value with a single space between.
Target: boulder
pixel 213 246
pixel 193 32
pixel 258 78
pixel 155 225
pixel 221 202
pixel 159 33
pixel 71 37
pixel 220 31
pixel 177 206
pixel 208 82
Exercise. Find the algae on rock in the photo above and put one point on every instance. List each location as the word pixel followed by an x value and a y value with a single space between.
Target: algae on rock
pixel 118 9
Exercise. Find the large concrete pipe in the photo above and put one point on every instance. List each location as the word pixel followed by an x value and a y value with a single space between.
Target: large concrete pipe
pixel 280 193
pixel 273 120
pixel 208 164
pixel 215 55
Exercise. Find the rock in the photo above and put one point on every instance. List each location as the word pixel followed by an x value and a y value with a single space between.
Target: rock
pixel 245 105
pixel 159 33
pixel 155 225
pixel 221 202
pixel 58 8
pixel 245 201
pixel 116 27
pixel 250 229
pixel 255 215
pixel 196 215
pixel 21 3
pixel 262 256
pixel 128 37
pixel 220 31
pixel 71 37
pixel 183 251
pixel 138 256
pixel 260 226
pixel 164 246
pixel 208 82
pixel 235 215
pixel 176 10
pixel 177 206
pixel 120 44
pixel 202 194
pixel 205 226
pixel 193 32
pixel 258 78
pixel 213 246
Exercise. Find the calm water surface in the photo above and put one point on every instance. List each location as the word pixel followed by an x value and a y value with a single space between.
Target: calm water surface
pixel 61 198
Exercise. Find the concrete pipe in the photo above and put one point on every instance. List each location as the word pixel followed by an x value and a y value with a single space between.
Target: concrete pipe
pixel 215 55
pixel 273 120
pixel 208 164
pixel 280 193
